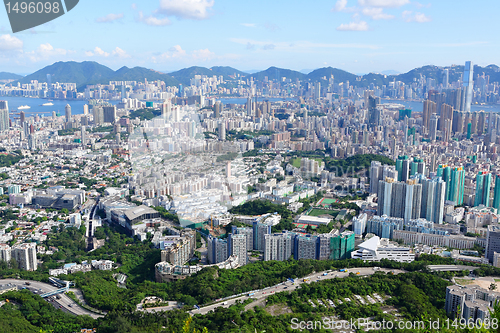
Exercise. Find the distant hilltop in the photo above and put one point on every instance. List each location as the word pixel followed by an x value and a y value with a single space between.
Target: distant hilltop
pixel 90 72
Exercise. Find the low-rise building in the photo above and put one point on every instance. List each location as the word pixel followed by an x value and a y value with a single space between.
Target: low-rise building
pixel 376 249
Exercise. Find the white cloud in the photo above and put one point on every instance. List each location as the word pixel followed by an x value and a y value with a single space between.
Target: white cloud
pixel 376 13
pixel 203 54
pixel 10 43
pixel 383 3
pixel 118 52
pixel 109 18
pixel 186 9
pixel 298 46
pixel 47 51
pixel 353 26
pixel 340 5
pixel 153 20
pixel 98 52
pixel 408 16
pixel 248 25
pixel 269 47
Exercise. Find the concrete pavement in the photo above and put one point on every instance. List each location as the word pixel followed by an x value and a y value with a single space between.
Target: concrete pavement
pixel 64 303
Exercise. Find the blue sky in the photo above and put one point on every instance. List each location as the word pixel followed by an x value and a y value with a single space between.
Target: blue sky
pixel 359 36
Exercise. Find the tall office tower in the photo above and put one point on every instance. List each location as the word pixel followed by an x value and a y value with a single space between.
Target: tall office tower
pixel 222 131
pixel 237 246
pixel 84 136
pixel 433 127
pixel 481 122
pixel 176 114
pixel 98 112
pixel 317 90
pixel 374 111
pixel 492 242
pixel 109 114
pixel 218 109
pixel 429 109
pixel 403 167
pixel 496 194
pixel 22 117
pixel 4 116
pixel 468 86
pixel 367 94
pixel 375 169
pixel 446 78
pixel 483 186
pixel 469 131
pixel 259 232
pixel 433 198
pixel 67 109
pixel 278 246
pixel 459 121
pixel 85 109
pixel 216 250
pixel 25 255
pixel 474 120
pixel 385 196
pixel 250 106
pixel 166 108
pixel 5 252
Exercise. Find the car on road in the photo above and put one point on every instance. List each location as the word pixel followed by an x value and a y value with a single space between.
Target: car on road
pixel 70 305
pixel 224 303
pixel 285 288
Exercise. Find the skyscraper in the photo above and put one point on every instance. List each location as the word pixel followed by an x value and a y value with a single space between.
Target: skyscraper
pixel 496 196
pixel 403 167
pixel 98 115
pixel 25 255
pixel 109 114
pixel 84 136
pixel 4 115
pixel 433 127
pixel 456 186
pixel 468 84
pixel 483 185
pixel 374 111
pixel 222 131
pixel 428 110
pixel 433 198
pixel 237 245
pixel 68 113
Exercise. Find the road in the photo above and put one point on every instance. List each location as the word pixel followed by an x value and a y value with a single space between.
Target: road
pixel 288 286
pixel 65 303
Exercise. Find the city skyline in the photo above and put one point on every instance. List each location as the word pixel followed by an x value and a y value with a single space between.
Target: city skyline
pixel 357 36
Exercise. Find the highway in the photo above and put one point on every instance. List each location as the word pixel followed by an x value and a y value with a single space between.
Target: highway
pixel 288 286
pixel 64 303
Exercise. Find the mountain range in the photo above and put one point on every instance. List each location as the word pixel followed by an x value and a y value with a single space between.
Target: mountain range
pixel 89 72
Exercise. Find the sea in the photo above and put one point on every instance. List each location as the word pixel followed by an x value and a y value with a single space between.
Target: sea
pixel 36 107
pixel 243 100
pixel 419 106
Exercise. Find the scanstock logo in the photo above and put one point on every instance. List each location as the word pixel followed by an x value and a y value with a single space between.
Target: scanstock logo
pixel 29 14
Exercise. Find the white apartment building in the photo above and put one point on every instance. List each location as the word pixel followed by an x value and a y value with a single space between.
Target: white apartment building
pixel 25 255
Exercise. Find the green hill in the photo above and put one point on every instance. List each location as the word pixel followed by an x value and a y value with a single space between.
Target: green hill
pixel 273 73
pixel 9 76
pixel 141 73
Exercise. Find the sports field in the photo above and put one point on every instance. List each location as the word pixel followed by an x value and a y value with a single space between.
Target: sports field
pixel 304 225
pixel 318 212
pixel 325 202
